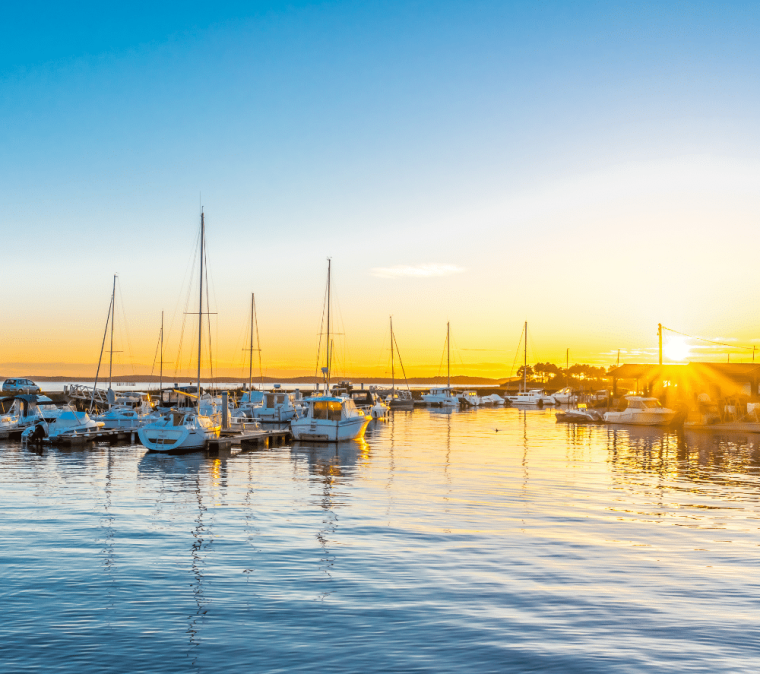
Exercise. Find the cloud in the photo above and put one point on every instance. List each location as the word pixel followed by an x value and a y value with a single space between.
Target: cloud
pixel 419 271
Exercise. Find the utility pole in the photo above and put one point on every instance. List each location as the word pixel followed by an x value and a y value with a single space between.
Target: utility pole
pixel 659 335
pixel 618 360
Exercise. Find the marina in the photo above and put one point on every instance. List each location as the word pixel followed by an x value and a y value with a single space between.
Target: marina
pixel 436 531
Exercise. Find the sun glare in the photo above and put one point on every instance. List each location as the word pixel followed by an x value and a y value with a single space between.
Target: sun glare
pixel 677 349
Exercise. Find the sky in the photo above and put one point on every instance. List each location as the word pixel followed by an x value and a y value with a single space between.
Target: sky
pixel 591 168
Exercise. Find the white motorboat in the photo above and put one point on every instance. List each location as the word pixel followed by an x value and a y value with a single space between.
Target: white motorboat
pixel 641 411
pixel 370 403
pixel 187 431
pixel 128 411
pixel 330 419
pixel 580 415
pixel 493 399
pixel 536 396
pixel 400 400
pixel 178 432
pixel 470 399
pixel 69 423
pixel 276 407
pixel 441 397
pixel 23 412
pixel 565 396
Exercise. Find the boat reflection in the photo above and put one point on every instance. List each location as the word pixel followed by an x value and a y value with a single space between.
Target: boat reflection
pixel 704 460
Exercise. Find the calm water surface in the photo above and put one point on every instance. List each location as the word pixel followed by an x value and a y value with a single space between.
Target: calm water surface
pixel 438 545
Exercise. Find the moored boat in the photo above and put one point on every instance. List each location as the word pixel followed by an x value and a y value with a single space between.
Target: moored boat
pixel 641 411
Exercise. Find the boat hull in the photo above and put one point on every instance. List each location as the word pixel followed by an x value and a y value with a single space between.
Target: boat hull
pixel 175 439
pixel 640 418
pixel 308 429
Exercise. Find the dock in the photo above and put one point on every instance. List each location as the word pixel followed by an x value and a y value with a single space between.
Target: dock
pixel 249 439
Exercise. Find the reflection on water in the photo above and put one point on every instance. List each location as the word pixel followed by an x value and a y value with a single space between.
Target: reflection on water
pixel 479 540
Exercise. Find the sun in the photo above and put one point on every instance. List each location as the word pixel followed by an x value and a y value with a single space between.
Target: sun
pixel 677 349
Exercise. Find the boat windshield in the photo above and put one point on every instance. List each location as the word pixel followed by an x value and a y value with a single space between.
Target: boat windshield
pixel 327 409
pixel 651 402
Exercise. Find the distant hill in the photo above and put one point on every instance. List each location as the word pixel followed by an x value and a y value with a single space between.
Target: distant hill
pixel 458 380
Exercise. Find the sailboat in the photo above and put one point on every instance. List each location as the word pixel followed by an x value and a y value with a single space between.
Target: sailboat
pixel 124 411
pixel 329 418
pixel 189 430
pixel 537 396
pixel 398 400
pixel 444 397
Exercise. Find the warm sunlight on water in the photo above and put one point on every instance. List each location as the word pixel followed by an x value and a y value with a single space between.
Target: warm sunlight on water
pixel 439 545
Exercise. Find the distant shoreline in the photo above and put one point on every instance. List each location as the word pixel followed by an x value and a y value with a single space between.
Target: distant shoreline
pixel 459 380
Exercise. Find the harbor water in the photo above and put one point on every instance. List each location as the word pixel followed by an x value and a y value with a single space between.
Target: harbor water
pixel 492 540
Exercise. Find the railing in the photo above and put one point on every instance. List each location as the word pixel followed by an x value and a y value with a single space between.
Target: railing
pixel 82 392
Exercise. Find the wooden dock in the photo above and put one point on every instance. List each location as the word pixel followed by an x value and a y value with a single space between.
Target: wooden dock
pixel 249 439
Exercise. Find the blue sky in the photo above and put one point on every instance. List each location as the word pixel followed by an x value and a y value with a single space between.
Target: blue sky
pixel 505 140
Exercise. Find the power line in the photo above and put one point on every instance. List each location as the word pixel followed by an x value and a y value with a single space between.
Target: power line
pixel 710 341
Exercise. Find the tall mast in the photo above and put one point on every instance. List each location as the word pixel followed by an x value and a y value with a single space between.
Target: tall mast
pixel 200 310
pixel 329 349
pixel 110 354
pixel 161 368
pixel 525 364
pixel 393 375
pixel 448 355
pixel 250 359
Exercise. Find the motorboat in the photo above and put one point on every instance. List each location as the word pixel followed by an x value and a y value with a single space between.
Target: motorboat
pixel 69 424
pixel 580 415
pixel 641 412
pixel 470 399
pixel 535 396
pixel 441 397
pixel 565 396
pixel 493 399
pixel 128 411
pixel 23 412
pixel 178 432
pixel 370 403
pixel 330 419
pixel 277 407
pixel 400 400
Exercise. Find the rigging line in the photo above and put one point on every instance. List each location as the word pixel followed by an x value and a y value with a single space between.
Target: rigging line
pixel 710 341
pixel 102 346
pixel 321 332
pixel 258 341
pixel 191 269
pixel 443 355
pixel 130 350
pixel 208 314
pixel 517 352
pixel 155 355
pixel 398 353
pixel 185 313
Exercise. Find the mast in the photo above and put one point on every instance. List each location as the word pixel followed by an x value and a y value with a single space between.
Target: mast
pixel 525 364
pixel 110 354
pixel 161 367
pixel 448 356
pixel 200 310
pixel 250 359
pixel 329 349
pixel 393 375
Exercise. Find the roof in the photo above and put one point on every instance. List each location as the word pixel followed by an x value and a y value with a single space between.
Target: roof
pixel 649 372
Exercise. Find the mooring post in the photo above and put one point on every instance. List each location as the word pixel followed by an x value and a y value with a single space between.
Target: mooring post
pixel 225 406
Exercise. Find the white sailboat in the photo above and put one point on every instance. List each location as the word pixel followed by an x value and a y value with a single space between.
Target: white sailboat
pixel 398 400
pixel 535 396
pixel 443 396
pixel 184 431
pixel 329 418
